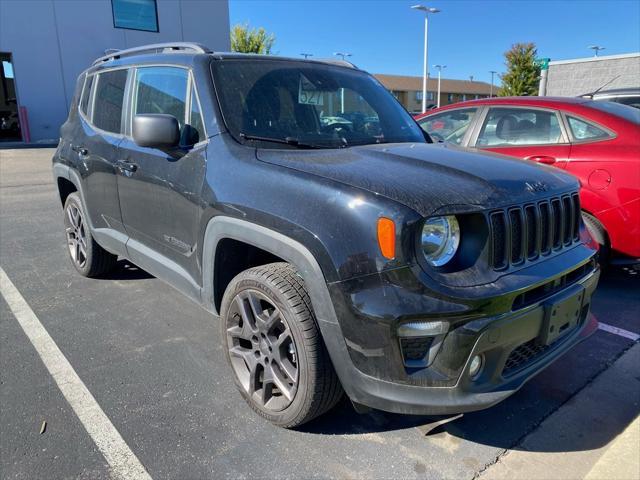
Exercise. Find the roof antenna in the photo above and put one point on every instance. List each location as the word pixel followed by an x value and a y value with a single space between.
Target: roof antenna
pixel 592 94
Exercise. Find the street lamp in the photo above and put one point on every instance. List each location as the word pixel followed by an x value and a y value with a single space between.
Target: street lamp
pixel 427 11
pixel 307 55
pixel 596 48
pixel 343 55
pixel 440 68
pixel 492 72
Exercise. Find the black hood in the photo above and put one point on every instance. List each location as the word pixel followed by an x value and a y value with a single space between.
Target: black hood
pixel 428 177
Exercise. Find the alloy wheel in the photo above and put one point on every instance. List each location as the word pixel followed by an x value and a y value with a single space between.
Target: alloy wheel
pixel 262 350
pixel 76 235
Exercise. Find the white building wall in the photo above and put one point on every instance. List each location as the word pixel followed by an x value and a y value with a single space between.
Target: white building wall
pixel 570 78
pixel 52 41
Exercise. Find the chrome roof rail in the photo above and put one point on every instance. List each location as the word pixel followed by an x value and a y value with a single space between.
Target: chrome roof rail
pixel 335 61
pixel 173 47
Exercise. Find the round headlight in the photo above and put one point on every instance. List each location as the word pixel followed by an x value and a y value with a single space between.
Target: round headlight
pixel 440 239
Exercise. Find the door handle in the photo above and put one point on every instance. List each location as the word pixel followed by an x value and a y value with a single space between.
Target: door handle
pixel 547 160
pixel 126 166
pixel 81 150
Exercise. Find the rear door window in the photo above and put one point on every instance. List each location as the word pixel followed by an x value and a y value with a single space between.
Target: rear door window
pixel 107 106
pixel 519 126
pixel 449 126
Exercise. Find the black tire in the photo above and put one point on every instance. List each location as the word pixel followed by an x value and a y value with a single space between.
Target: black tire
pixel 88 258
pixel 599 234
pixel 280 294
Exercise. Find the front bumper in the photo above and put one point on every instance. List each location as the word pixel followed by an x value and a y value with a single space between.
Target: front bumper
pixel 373 373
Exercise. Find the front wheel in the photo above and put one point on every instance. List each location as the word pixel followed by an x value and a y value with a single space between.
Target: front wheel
pixel 274 347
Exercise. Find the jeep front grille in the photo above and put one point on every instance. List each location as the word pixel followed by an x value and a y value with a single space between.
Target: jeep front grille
pixel 526 232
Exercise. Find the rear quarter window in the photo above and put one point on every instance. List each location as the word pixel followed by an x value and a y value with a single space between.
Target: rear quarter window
pixel 583 130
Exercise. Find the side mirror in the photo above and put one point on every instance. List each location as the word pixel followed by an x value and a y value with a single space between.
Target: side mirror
pixel 156 130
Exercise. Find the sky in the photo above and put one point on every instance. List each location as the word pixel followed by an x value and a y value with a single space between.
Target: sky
pixel 469 36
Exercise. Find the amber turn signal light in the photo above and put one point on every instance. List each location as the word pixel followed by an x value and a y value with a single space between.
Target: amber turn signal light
pixel 387 237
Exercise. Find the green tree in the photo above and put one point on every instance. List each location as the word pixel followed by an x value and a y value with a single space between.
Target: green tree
pixel 523 76
pixel 246 40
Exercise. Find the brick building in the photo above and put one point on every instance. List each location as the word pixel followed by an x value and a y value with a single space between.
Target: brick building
pixel 408 90
pixel 570 78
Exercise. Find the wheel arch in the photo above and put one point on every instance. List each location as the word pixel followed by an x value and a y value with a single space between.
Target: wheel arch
pixel 223 231
pixel 69 179
pixel 291 251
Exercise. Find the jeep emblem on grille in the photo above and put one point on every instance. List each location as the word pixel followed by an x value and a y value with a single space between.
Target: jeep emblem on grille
pixel 534 187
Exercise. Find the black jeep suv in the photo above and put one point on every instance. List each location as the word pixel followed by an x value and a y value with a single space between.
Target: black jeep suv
pixel 341 249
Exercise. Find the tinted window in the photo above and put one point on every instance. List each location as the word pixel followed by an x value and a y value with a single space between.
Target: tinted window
pixel 161 90
pixel 323 105
pixel 630 101
pixel 86 94
pixel 135 14
pixel 107 106
pixel 519 126
pixel 449 126
pixel 585 131
pixel 628 113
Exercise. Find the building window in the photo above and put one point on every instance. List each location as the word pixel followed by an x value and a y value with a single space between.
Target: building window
pixel 450 97
pixel 464 97
pixel 477 97
pixel 429 95
pixel 135 14
pixel 419 95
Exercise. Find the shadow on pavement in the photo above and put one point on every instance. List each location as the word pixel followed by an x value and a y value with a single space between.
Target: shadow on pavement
pixel 125 270
pixel 506 424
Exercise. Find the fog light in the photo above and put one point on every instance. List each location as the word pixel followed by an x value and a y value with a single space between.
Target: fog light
pixel 476 365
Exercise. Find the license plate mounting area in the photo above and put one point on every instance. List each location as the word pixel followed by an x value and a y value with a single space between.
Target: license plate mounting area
pixel 561 314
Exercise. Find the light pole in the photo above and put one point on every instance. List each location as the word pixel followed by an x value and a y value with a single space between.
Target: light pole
pixel 427 11
pixel 440 68
pixel 492 72
pixel 343 55
pixel 596 49
pixel 307 55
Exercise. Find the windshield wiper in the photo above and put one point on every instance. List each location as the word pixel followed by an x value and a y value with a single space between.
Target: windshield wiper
pixel 284 141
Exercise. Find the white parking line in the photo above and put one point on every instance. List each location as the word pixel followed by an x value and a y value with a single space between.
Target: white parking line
pixel 122 461
pixel 618 331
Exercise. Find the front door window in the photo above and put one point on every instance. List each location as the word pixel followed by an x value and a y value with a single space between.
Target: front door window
pixel 449 126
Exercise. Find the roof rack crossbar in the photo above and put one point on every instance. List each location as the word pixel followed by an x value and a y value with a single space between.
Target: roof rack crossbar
pixel 155 48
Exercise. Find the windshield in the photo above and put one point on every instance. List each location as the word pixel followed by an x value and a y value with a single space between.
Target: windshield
pixel 630 114
pixel 305 104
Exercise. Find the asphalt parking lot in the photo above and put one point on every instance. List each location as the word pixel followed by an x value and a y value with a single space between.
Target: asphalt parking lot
pixel 152 361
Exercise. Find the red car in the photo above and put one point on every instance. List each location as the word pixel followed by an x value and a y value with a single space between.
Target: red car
pixel 599 142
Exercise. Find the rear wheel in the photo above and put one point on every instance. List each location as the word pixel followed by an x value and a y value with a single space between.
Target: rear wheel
pixel 88 258
pixel 274 347
pixel 599 234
